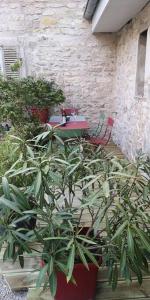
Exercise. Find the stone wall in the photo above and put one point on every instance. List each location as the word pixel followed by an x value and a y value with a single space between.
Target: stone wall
pixel 96 72
pixel 132 126
pixel 58 45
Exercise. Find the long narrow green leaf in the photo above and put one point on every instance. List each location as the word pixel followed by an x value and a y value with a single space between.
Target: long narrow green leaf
pixel 59 139
pixel 130 242
pixel 70 263
pixel 106 189
pixel 19 202
pixel 37 183
pixel 136 269
pixel 50 266
pixel 53 283
pixel 89 255
pixel 62 267
pixel 23 171
pixel 22 243
pixel 41 276
pixel 18 192
pixel 146 243
pixel 123 261
pixel 82 256
pixel 5 186
pixel 55 238
pixel 21 236
pixel 62 161
pixel 21 219
pixel 90 183
pixel 74 168
pixel 10 204
pixel 86 240
pixel 30 151
pixel 120 230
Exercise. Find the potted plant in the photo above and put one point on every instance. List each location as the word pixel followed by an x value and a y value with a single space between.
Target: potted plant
pixel 35 96
pixel 39 95
pixel 90 205
pixel 83 249
pixel 13 114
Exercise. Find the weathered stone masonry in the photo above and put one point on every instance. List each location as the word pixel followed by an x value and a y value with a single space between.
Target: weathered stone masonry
pixel 132 126
pixel 58 44
pixel 97 72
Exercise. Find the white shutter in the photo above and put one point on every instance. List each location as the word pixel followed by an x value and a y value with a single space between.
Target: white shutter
pixel 10 57
pixel 1 61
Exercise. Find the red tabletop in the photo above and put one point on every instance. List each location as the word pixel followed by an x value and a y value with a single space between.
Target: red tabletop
pixel 73 125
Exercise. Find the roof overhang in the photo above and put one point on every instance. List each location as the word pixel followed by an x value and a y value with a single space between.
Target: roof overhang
pixel 112 15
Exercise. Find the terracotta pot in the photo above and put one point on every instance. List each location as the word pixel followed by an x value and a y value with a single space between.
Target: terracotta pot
pixel 40 113
pixel 85 287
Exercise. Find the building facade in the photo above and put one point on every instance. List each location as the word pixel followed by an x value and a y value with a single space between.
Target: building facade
pixel 98 72
pixel 132 87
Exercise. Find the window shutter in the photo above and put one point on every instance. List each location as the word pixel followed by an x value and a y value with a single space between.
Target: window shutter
pixel 10 57
pixel 1 62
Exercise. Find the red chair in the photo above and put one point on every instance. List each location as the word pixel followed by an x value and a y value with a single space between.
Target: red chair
pixel 105 138
pixel 69 111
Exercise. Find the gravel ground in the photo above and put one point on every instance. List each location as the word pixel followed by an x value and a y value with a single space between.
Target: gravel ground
pixel 7 294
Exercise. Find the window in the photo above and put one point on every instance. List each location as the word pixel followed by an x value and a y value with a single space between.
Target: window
pixel 140 76
pixel 1 61
pixel 8 57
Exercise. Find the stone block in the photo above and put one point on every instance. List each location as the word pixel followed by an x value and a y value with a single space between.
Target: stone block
pixel 47 21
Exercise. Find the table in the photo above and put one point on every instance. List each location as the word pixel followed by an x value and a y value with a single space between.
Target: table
pixel 58 119
pixel 72 129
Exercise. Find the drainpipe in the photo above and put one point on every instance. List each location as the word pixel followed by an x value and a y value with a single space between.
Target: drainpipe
pixel 90 9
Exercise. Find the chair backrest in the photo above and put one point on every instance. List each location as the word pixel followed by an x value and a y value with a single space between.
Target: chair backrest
pixel 102 117
pixel 110 122
pixel 103 132
pixel 70 111
pixel 100 125
pixel 108 129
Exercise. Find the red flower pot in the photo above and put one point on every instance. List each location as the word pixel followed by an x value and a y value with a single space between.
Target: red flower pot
pixel 85 287
pixel 40 113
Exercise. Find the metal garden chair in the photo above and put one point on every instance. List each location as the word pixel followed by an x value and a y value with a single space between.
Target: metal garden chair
pixel 99 128
pixel 102 136
pixel 70 111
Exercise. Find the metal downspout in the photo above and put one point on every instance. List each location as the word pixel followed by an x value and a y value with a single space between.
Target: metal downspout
pixel 90 9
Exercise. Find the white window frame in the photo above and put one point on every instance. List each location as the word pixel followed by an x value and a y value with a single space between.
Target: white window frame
pixel 19 55
pixel 2 69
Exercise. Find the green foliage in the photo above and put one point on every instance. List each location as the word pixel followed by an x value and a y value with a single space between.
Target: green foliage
pixel 16 66
pixel 67 180
pixel 7 154
pixel 40 92
pixel 10 103
pixel 28 130
pixel 16 95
